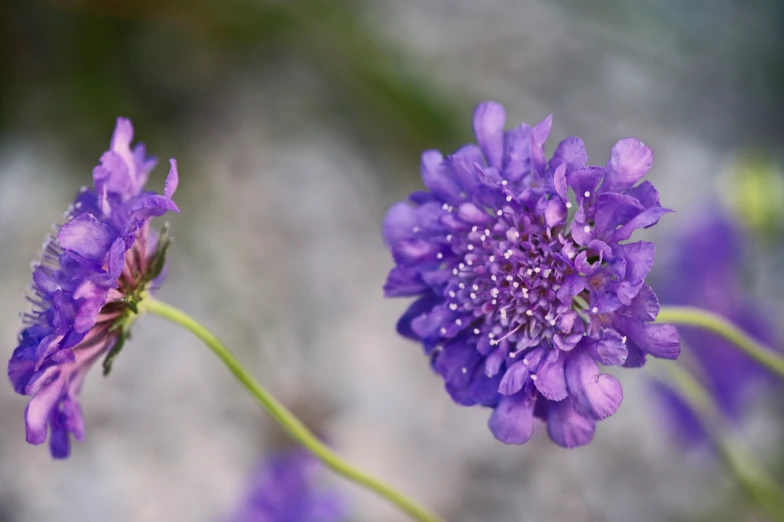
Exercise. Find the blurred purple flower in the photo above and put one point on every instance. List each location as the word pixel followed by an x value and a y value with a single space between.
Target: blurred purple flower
pixel 705 269
pixel 282 489
pixel 91 274
pixel 519 302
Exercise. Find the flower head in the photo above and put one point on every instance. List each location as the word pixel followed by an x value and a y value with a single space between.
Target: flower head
pixel 93 271
pixel 705 270
pixel 282 489
pixel 522 293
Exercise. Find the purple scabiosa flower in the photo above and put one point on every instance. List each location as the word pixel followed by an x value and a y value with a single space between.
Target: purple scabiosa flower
pixel 705 269
pixel 518 300
pixel 283 489
pixel 93 271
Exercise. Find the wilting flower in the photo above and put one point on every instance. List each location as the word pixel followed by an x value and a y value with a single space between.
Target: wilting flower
pixel 283 489
pixel 705 269
pixel 519 302
pixel 92 273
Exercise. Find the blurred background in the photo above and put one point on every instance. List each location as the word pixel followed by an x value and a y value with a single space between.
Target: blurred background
pixel 296 124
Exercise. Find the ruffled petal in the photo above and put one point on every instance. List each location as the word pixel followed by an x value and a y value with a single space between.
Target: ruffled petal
pixel 566 427
pixel 629 161
pixel 595 395
pixel 512 420
pixel 489 119
pixel 87 238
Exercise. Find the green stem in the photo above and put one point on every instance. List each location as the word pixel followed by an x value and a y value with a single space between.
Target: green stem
pixel 285 418
pixel 749 473
pixel 691 316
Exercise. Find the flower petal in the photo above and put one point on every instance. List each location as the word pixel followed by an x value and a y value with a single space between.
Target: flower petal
pixel 566 427
pixel 399 223
pixel 172 180
pixel 404 281
pixel 39 409
pixel 87 238
pixel 462 164
pixel 436 177
pixel 571 154
pixel 610 348
pixel 512 420
pixel 595 395
pixel 614 210
pixel 517 158
pixel 659 340
pixel 550 379
pixel 629 161
pixel 489 120
pixel 646 218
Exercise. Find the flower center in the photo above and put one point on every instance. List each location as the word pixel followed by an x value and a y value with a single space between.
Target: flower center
pixel 505 278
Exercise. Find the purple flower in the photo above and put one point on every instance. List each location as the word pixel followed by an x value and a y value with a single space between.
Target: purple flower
pixel 519 302
pixel 91 275
pixel 283 489
pixel 705 270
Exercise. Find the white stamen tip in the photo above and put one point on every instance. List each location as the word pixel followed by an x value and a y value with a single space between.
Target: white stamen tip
pixel 453 306
pixel 476 331
pixel 587 193
pixel 443 331
pixel 473 295
pixel 491 335
pixel 454 271
pixel 529 313
pixel 587 229
pixel 504 182
pixel 594 310
pixel 500 212
pixel 493 277
pixel 464 369
pixel 474 228
pixel 439 256
pixel 533 377
pixel 470 247
pixel 623 339
pixel 568 204
pixel 461 286
pixel 515 284
pixel 458 322
pixel 537 269
pixel 452 293
pixel 508 198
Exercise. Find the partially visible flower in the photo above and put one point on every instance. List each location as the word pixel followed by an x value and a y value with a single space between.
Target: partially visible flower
pixel 90 277
pixel 518 302
pixel 283 489
pixel 705 269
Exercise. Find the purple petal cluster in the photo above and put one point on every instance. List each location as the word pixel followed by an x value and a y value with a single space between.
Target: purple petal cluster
pixel 522 293
pixel 705 268
pixel 91 273
pixel 283 489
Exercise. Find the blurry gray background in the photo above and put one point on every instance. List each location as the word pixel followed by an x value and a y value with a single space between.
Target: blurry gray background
pixel 296 124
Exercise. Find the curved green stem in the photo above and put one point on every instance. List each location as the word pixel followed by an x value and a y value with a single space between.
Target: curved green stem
pixel 691 316
pixel 757 483
pixel 285 418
